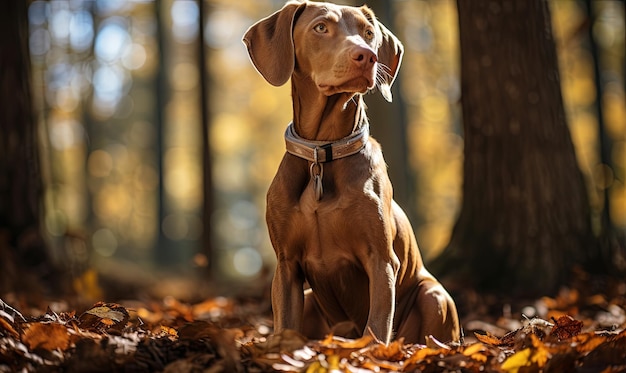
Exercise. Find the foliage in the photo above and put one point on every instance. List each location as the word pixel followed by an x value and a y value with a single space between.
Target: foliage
pixel 222 334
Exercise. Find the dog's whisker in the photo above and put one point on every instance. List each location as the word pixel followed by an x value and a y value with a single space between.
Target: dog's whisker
pixel 384 67
pixel 383 74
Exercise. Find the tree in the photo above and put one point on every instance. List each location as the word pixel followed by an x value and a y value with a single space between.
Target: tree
pixel 525 217
pixel 24 259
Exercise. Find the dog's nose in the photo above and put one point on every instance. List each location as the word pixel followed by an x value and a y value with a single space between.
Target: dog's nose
pixel 363 56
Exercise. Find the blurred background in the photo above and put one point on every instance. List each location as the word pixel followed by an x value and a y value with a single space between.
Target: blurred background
pixel 160 139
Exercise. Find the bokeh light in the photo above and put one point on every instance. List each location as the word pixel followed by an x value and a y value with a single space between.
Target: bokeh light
pixel 121 121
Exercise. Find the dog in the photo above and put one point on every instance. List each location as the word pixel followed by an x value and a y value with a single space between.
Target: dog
pixel 330 213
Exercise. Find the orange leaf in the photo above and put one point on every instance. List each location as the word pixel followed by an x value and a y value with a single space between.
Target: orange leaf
pixel 46 336
pixel 588 342
pixel 332 341
pixel 393 352
pixel 541 355
pixel 8 327
pixel 489 339
pixel 422 354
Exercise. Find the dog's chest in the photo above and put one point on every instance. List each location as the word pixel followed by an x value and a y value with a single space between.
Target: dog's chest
pixel 339 282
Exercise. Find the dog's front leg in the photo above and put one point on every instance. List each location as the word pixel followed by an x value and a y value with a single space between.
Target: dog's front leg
pixel 287 297
pixel 382 275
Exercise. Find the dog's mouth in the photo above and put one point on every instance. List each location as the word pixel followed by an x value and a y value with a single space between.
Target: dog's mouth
pixel 358 84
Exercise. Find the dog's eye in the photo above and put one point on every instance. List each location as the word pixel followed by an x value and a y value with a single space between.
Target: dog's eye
pixel 369 34
pixel 320 27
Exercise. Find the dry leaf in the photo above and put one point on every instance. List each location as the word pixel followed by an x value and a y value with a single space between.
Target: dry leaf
pixel 214 307
pixel 8 327
pixel 334 342
pixel 475 352
pixel 541 353
pixel 489 339
pixel 104 316
pixel 517 360
pixel 566 327
pixel 422 354
pixel 47 336
pixel 393 352
pixel 587 342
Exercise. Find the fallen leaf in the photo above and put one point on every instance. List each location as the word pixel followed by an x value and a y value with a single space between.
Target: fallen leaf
pixel 47 336
pixel 475 351
pixel 517 360
pixel 540 354
pixel 104 316
pixel 334 342
pixel 587 342
pixel 393 352
pixel 566 327
pixel 8 327
pixel 489 339
pixel 213 308
pixel 422 354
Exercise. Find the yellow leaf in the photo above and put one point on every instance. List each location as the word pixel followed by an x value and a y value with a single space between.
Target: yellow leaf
pixel 540 357
pixel 316 367
pixel 333 362
pixel 169 331
pixel 87 285
pixel 516 361
pixel 541 354
pixel 474 351
pixel 475 348
pixel 107 313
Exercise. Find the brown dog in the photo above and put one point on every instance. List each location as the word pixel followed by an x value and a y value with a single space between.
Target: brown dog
pixel 330 213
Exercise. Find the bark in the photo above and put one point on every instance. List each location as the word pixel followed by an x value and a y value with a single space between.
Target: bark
pixel 25 265
pixel 525 219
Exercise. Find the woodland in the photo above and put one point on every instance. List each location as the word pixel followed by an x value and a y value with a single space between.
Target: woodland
pixel 137 144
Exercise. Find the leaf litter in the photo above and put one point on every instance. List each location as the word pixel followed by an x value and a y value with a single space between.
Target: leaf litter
pixel 570 332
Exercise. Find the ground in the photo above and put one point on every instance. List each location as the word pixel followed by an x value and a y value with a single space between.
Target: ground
pixel 581 329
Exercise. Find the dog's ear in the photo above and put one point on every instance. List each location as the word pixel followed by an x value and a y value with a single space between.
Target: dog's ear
pixel 389 58
pixel 270 44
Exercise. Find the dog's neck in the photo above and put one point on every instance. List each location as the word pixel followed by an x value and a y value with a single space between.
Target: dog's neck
pixel 325 118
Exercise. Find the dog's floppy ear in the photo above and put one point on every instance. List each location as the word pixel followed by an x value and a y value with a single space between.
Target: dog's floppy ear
pixel 270 44
pixel 389 56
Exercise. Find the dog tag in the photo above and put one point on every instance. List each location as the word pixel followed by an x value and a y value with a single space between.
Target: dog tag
pixel 317 184
pixel 317 173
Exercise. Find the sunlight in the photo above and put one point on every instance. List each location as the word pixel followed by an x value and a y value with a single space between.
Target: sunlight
pixel 247 261
pixel 111 41
pixel 104 242
pixel 185 16
pixel 81 31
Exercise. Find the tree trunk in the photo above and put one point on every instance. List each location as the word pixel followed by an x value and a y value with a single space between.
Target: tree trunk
pixel 525 219
pixel 24 259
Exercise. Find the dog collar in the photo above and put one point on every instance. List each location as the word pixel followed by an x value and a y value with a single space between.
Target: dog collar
pixel 319 152
pixel 325 151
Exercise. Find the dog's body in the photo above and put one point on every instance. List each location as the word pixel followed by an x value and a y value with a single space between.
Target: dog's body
pixel 333 222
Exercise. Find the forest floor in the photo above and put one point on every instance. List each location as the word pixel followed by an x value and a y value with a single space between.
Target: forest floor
pixel 582 329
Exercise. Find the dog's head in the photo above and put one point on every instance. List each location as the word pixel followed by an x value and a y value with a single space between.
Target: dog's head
pixel 341 48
